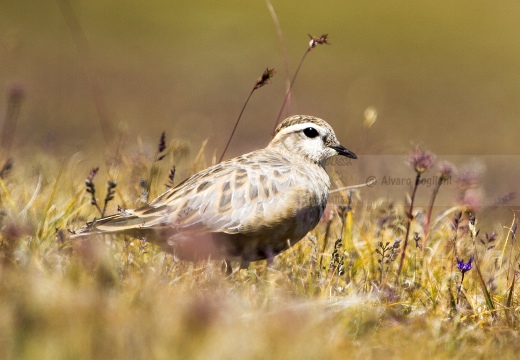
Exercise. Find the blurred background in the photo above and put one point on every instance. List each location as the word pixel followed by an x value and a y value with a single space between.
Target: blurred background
pixel 443 74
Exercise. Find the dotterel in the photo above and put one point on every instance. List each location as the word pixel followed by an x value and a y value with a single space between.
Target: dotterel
pixel 248 208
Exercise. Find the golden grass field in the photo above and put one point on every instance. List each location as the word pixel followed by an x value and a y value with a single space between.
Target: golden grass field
pixel 442 75
pixel 123 298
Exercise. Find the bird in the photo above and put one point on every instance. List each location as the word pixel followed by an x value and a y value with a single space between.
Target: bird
pixel 245 209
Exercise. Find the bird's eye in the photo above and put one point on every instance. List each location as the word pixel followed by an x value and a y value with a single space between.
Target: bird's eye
pixel 310 132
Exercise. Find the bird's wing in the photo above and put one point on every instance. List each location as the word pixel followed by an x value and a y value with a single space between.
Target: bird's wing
pixel 242 195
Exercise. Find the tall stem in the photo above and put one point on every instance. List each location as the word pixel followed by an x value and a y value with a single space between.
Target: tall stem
pixel 288 93
pixel 410 218
pixel 429 213
pixel 236 125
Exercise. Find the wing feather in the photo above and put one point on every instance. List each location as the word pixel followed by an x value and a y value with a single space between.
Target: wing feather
pixel 249 194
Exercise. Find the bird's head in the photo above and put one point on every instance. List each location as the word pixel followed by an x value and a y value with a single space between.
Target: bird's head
pixel 309 137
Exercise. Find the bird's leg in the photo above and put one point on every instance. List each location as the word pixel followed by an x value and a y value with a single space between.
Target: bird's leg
pixel 269 256
pixel 226 267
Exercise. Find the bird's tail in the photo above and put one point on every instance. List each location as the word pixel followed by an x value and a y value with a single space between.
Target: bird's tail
pixel 126 222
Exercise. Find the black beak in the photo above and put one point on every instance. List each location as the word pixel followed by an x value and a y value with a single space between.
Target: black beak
pixel 345 152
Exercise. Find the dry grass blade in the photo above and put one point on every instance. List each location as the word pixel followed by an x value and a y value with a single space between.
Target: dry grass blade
pixel 485 292
pixel 43 228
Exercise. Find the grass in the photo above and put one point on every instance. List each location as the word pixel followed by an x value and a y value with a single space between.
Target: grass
pixel 324 298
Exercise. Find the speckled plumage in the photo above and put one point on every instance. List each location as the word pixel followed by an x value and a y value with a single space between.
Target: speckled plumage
pixel 248 208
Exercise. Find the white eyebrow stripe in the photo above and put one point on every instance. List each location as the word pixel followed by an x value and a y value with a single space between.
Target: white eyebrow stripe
pixel 299 127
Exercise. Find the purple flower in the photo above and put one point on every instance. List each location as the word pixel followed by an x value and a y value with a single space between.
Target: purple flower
pixel 471 199
pixel 469 176
pixel 463 267
pixel 446 170
pixel 421 160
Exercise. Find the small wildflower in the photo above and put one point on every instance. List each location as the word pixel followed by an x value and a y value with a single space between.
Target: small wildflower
pixel 469 176
pixel 421 160
pixel 471 199
pixel 318 41
pixel 446 170
pixel 265 78
pixel 464 267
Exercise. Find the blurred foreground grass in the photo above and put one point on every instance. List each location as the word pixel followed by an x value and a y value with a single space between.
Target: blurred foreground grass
pixel 122 298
